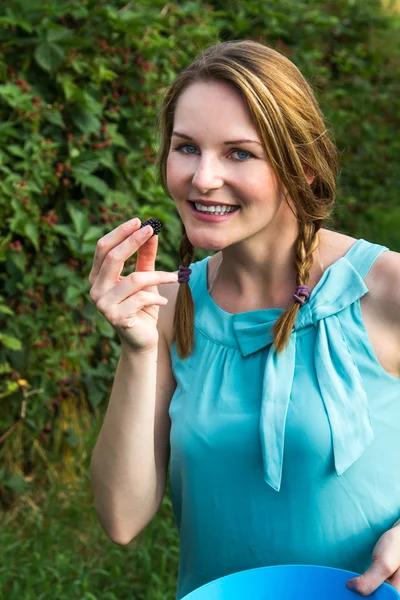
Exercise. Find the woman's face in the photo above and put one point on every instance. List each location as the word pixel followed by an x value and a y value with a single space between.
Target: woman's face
pixel 239 174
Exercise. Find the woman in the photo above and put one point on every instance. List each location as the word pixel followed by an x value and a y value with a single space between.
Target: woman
pixel 278 359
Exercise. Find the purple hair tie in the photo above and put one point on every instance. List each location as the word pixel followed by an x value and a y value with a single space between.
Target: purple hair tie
pixel 303 290
pixel 184 274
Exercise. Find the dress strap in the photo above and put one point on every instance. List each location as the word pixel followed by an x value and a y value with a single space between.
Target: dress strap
pixel 199 271
pixel 363 254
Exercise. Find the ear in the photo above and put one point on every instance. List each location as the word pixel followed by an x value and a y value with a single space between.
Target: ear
pixel 310 177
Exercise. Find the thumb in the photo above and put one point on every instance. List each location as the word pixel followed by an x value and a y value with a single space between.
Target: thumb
pixel 369 581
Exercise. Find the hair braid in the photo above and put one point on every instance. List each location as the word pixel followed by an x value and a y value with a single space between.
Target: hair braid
pixel 306 244
pixel 184 310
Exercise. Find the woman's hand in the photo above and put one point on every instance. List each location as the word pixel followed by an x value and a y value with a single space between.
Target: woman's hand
pixel 130 304
pixel 385 565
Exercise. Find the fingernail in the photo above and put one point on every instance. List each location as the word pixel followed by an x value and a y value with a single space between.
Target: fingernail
pixel 146 229
pixel 351 585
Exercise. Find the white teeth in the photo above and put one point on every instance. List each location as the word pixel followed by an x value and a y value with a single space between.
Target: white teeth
pixel 214 209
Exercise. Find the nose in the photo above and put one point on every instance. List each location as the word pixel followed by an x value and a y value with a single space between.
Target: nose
pixel 208 175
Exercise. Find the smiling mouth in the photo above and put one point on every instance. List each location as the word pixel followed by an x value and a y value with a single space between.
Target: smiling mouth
pixel 231 208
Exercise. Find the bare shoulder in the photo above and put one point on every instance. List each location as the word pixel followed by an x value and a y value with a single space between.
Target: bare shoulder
pixel 381 306
pixel 334 245
pixel 167 312
pixel 383 282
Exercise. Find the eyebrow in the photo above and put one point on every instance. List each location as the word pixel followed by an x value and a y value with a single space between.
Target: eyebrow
pixel 187 137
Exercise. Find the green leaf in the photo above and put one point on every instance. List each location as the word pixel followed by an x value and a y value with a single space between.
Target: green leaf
pixel 119 140
pixel 10 342
pixel 62 272
pixel 107 160
pixel 16 150
pixel 79 219
pixel 76 291
pixel 64 230
pixel 93 233
pixel 32 234
pixel 16 21
pixel 86 166
pixel 5 368
pixel 53 116
pixel 95 393
pixel 105 328
pixel 19 262
pixel 57 35
pixel 92 105
pixel 68 86
pixel 72 296
pixel 6 310
pixel 93 182
pixel 16 484
pixel 49 56
pixel 123 198
pixel 85 120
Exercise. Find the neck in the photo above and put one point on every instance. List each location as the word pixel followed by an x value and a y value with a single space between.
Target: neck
pixel 267 273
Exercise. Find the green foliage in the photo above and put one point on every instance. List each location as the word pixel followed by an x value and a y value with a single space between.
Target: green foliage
pixel 80 83
pixel 53 547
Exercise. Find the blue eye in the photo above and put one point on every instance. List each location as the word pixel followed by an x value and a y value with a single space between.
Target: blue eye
pixel 179 149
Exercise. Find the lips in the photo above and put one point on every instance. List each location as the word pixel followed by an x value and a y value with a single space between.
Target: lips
pixel 213 217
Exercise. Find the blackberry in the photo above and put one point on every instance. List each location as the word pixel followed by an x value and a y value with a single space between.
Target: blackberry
pixel 155 223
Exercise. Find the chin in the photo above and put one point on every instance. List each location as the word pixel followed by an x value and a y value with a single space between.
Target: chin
pixel 202 243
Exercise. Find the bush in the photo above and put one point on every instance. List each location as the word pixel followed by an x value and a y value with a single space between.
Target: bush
pixel 81 83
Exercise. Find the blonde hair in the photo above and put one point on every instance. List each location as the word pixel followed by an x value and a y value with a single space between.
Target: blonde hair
pixel 291 126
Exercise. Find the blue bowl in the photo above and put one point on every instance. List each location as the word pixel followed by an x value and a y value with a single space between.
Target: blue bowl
pixel 287 582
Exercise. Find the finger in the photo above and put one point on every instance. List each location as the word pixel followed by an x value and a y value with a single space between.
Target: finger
pixel 146 258
pixel 394 580
pixel 146 255
pixel 369 581
pixel 133 283
pixel 110 241
pixel 122 314
pixel 113 262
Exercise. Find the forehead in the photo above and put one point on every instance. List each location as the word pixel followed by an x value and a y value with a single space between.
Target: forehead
pixel 208 106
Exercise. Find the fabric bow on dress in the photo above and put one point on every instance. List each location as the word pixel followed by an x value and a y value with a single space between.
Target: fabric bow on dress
pixel 339 379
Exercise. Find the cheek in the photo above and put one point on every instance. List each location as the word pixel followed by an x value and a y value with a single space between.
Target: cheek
pixel 175 174
pixel 256 187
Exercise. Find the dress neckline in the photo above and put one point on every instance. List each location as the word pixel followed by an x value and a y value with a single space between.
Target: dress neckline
pixel 271 311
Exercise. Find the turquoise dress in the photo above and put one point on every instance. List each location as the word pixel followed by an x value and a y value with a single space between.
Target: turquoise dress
pixel 283 459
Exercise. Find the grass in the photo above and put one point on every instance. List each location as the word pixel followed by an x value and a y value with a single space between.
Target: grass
pixel 52 547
